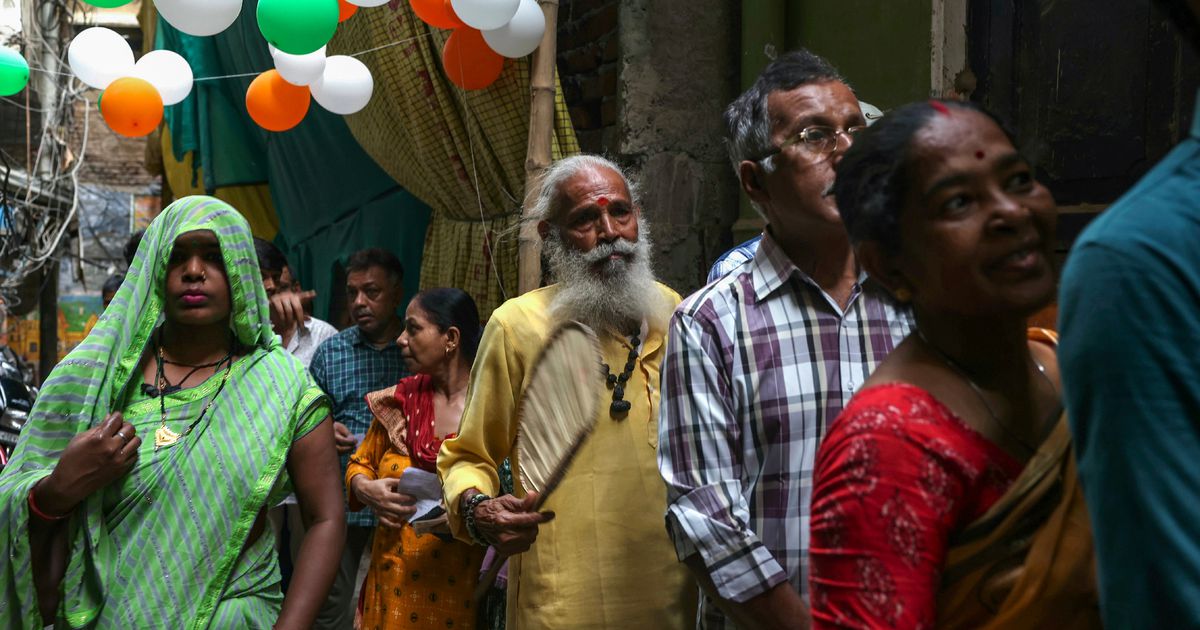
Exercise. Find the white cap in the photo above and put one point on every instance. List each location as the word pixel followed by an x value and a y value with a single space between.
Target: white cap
pixel 870 112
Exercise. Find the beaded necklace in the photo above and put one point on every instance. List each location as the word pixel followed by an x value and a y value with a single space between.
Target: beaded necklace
pixel 619 405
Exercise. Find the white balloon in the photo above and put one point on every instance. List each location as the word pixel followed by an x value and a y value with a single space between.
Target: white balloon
pixel 199 17
pixel 522 34
pixel 485 15
pixel 368 3
pixel 166 71
pixel 345 87
pixel 99 56
pixel 299 69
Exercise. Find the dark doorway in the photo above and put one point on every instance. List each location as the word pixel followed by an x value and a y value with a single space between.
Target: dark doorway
pixel 1098 91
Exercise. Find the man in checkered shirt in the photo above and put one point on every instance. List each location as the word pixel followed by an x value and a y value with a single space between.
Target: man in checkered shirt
pixel 759 362
pixel 359 360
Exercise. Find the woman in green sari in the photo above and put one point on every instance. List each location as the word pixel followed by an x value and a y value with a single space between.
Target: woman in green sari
pixel 135 497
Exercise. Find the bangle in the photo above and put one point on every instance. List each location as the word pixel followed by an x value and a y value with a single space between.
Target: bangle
pixel 469 518
pixel 40 514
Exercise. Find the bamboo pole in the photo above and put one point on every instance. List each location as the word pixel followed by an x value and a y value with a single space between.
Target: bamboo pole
pixel 537 155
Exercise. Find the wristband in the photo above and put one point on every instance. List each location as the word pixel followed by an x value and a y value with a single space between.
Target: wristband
pixel 40 514
pixel 469 518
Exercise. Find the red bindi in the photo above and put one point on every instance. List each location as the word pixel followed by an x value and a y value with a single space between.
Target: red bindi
pixel 940 107
pixel 979 155
pixel 603 201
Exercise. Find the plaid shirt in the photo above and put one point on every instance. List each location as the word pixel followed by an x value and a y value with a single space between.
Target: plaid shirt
pixel 758 363
pixel 348 368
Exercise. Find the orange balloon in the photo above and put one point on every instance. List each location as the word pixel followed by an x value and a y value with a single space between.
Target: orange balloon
pixel 469 62
pixel 437 13
pixel 275 104
pixel 132 107
pixel 346 10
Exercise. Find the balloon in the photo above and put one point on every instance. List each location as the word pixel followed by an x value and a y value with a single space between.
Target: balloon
pixel 369 3
pixel 299 69
pixel 297 27
pixel 522 34
pixel 169 73
pixel 98 56
pixel 199 17
pixel 468 60
pixel 346 10
pixel 14 72
pixel 345 87
pixel 108 4
pixel 436 13
pixel 275 104
pixel 132 107
pixel 485 14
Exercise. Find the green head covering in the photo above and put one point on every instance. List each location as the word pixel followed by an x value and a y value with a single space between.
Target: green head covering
pixel 91 382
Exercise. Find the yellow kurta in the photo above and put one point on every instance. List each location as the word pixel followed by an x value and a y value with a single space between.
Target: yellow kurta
pixel 605 561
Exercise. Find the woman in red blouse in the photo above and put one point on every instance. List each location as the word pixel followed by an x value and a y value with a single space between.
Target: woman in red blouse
pixel 944 494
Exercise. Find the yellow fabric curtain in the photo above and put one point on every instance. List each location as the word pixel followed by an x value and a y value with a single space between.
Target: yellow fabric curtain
pixel 461 152
pixel 253 201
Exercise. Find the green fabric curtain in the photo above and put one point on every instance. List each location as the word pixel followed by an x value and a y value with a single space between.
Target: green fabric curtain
pixel 331 198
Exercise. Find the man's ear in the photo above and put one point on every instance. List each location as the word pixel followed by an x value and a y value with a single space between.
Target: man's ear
pixel 881 266
pixel 750 176
pixel 543 229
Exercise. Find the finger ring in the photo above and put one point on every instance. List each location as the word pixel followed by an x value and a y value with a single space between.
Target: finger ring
pixel 121 434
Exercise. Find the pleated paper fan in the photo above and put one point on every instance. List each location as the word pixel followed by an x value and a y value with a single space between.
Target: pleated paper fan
pixel 558 413
pixel 558 407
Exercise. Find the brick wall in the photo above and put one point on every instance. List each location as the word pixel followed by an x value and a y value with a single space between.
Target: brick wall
pixel 588 67
pixel 110 160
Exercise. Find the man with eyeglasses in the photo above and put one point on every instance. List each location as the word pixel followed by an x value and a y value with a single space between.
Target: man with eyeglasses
pixel 743 252
pixel 761 361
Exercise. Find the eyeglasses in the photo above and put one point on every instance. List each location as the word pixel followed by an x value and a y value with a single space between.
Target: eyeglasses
pixel 818 139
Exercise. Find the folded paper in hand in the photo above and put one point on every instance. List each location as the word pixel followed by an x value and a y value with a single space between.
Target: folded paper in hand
pixel 426 489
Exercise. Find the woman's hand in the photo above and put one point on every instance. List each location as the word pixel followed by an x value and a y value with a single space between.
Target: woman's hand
pixel 92 460
pixel 382 495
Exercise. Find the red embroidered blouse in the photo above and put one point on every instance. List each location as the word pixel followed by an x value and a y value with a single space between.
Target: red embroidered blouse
pixel 896 475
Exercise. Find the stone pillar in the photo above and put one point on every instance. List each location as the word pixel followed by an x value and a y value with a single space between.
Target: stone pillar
pixel 678 70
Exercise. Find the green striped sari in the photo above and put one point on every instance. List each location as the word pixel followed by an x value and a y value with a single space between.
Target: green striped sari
pixel 162 547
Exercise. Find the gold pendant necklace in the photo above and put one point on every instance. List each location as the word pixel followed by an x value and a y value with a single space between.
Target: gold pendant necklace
pixel 164 436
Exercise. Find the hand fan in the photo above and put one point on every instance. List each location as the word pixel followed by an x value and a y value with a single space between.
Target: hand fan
pixel 557 414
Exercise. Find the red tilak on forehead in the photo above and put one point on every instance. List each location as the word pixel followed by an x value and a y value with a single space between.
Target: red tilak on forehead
pixel 603 201
pixel 979 155
pixel 940 107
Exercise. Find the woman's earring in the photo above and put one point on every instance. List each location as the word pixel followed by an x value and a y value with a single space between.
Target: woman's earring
pixel 903 295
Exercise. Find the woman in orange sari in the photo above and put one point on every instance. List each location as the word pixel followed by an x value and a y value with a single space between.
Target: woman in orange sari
pixel 945 493
pixel 417 580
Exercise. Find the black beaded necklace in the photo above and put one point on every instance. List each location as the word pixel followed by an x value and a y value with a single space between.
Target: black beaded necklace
pixel 619 405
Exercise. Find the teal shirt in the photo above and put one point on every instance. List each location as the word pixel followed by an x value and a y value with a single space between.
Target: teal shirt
pixel 1130 358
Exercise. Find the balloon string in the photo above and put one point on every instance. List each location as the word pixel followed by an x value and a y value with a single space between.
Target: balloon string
pixel 396 43
pixel 36 68
pixel 227 76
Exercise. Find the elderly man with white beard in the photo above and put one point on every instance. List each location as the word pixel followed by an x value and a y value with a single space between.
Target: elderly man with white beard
pixel 605 561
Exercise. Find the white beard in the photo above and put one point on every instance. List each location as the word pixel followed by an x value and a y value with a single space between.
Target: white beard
pixel 615 297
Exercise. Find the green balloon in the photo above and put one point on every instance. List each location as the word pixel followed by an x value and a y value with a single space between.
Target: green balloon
pixel 108 4
pixel 298 27
pixel 14 72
